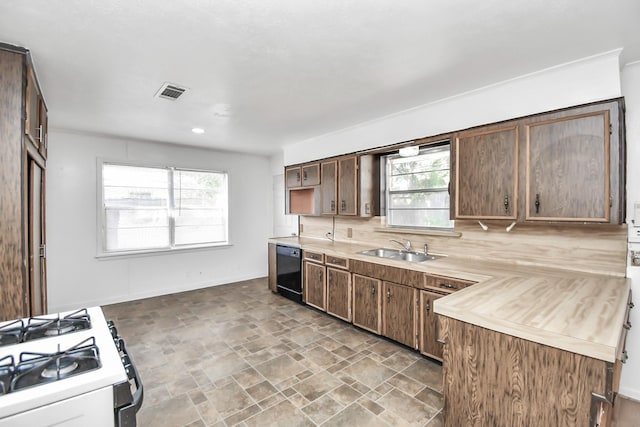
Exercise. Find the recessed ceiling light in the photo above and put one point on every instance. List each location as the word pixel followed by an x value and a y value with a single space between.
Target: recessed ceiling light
pixel 197 130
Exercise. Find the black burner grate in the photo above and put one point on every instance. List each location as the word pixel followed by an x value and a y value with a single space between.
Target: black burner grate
pixel 42 327
pixel 11 333
pixel 7 368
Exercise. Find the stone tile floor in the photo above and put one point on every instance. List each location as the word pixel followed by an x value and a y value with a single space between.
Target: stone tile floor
pixel 239 355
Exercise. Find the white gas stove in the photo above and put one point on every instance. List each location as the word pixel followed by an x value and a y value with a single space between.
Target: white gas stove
pixel 66 369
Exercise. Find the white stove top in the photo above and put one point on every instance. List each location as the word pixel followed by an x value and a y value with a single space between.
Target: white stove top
pixel 109 373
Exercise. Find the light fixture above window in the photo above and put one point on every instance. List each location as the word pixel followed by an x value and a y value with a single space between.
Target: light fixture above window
pixel 409 151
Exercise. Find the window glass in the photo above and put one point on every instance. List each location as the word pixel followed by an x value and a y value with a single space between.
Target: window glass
pixel 417 189
pixel 148 208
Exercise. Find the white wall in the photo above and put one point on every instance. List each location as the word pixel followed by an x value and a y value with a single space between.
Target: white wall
pixel 590 79
pixel 77 279
pixel 630 383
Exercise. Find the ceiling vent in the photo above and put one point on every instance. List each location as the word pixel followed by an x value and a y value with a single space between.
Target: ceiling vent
pixel 170 91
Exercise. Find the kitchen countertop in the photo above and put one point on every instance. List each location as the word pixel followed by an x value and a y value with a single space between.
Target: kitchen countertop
pixel 578 312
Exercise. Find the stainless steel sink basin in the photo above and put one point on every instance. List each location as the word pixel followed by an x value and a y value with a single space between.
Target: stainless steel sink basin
pixel 399 255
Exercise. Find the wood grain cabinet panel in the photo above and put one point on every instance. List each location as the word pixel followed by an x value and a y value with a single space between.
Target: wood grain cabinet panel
pixel 315 285
pixel 293 176
pixel 367 303
pixel 339 293
pixel 273 268
pixel 329 187
pixel 311 174
pixel 487 174
pixel 399 313
pixel 428 338
pixel 568 169
pixel 348 186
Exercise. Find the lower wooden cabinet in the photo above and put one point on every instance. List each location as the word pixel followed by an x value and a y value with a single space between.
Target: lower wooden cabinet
pixel 367 303
pixel 428 334
pixel 339 293
pixel 273 268
pixel 399 313
pixel 315 285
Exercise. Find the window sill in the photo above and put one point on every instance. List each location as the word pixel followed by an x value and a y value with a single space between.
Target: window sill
pixel 420 231
pixel 154 252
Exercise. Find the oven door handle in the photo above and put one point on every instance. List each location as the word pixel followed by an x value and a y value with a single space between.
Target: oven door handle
pixel 126 415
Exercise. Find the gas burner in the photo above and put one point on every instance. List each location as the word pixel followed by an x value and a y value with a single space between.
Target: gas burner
pixel 11 333
pixel 47 327
pixel 6 372
pixel 42 368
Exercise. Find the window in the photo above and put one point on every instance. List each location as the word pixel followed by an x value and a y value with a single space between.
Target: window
pixel 149 208
pixel 416 189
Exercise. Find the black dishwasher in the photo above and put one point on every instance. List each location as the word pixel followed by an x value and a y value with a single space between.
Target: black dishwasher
pixel 289 271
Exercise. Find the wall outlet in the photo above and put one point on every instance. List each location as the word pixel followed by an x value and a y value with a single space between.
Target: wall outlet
pixel 635 257
pixel 349 232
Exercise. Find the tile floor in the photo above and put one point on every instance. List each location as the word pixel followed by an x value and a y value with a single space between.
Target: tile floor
pixel 239 355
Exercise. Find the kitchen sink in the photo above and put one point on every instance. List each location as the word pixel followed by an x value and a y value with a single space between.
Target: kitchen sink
pixel 399 255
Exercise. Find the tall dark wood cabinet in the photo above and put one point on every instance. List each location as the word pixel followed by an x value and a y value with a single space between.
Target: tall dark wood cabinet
pixel 23 148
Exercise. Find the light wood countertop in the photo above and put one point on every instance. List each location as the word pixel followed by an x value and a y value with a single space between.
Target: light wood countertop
pixel 578 312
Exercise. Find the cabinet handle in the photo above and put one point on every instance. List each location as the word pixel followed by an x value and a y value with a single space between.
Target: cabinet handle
pixel 427 307
pixel 373 290
pixel 333 206
pixel 631 304
pixel 506 203
pixel 537 203
pixel 625 357
pixel 627 325
pixel 298 176
pixel 448 286
pixel 304 175
pixel 388 295
pixel 330 277
pixel 39 137
pixel 343 204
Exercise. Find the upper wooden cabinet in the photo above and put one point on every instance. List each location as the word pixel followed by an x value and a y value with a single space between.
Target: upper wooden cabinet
pixel 36 123
pixel 329 187
pixel 562 166
pixel 348 186
pixel 567 176
pixel 486 184
pixel 302 176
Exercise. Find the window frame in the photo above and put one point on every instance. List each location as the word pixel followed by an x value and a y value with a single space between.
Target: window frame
pixel 101 251
pixel 385 191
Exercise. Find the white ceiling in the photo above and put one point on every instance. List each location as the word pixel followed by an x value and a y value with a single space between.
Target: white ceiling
pixel 290 69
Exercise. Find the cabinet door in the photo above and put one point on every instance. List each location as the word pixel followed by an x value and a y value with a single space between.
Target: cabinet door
pixel 311 174
pixel 329 187
pixel 293 177
pixel 37 244
pixel 315 285
pixel 43 128
pixel 32 127
pixel 487 174
pixel 348 186
pixel 339 293
pixel 273 273
pixel 429 344
pixel 399 313
pixel 367 303
pixel 567 175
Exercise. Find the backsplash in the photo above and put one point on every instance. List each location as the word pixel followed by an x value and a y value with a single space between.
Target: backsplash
pixel 597 249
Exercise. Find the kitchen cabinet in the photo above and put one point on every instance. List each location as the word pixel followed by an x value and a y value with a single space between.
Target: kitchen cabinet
pixel 273 268
pixel 568 168
pixel 399 313
pixel 23 289
pixel 339 293
pixel 560 166
pixel 315 286
pixel 302 176
pixel 428 329
pixel 348 186
pixel 329 187
pixel 367 303
pixel 486 183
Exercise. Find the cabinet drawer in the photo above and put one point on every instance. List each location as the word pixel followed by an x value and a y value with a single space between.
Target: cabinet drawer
pixel 445 283
pixel 314 256
pixel 388 273
pixel 336 261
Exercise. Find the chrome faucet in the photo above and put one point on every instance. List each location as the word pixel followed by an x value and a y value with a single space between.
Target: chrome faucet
pixel 406 246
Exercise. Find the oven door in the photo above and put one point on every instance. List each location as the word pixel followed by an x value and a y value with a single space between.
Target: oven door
pixel 93 409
